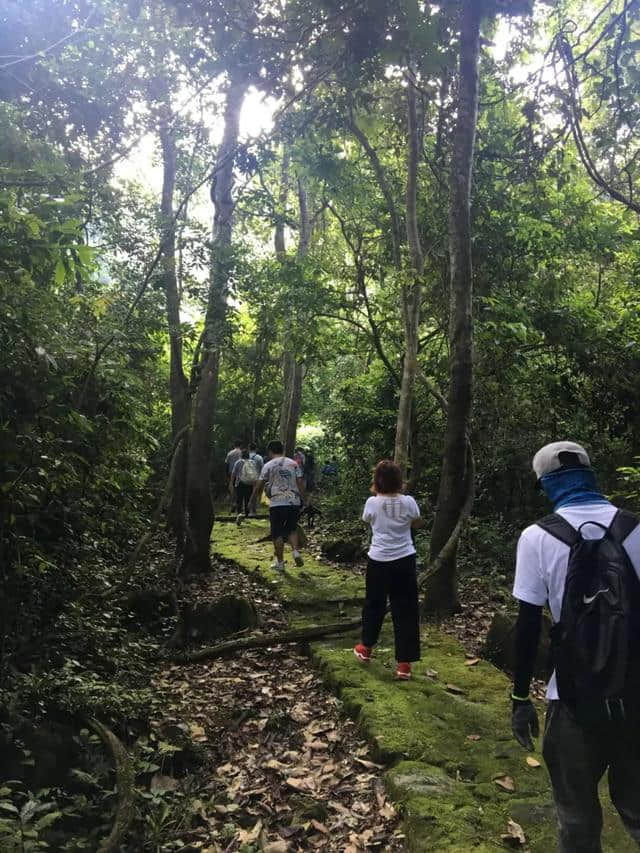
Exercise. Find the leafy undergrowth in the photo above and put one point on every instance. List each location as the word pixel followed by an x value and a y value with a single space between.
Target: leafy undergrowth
pixel 456 774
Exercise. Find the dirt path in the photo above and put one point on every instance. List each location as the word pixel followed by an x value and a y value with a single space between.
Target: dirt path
pixel 287 770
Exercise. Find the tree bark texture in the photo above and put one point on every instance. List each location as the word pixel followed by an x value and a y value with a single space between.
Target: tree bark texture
pixel 283 196
pixel 293 374
pixel 199 502
pixel 178 385
pixel 292 367
pixel 411 292
pixel 441 589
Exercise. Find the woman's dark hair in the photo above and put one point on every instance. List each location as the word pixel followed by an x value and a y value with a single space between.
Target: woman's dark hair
pixel 244 454
pixel 387 478
pixel 275 446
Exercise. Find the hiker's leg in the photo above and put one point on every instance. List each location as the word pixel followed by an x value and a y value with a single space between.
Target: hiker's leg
pixel 576 762
pixel 246 495
pixel 276 519
pixel 239 498
pixel 278 547
pixel 375 601
pixel 624 774
pixel 293 516
pixel 405 612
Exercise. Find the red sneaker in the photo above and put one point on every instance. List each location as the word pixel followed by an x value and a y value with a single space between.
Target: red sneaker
pixel 363 653
pixel 403 671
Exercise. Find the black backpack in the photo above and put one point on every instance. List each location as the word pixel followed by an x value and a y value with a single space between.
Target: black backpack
pixel 596 643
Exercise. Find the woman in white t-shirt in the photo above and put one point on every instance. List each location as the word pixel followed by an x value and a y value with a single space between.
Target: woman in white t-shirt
pixel 391 569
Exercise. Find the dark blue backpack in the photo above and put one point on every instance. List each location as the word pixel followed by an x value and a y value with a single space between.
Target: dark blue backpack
pixel 596 643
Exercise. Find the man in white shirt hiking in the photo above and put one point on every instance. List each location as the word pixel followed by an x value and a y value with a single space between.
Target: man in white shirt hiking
pixel 584 562
pixel 283 482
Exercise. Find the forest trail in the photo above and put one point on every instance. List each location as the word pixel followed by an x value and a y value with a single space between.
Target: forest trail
pixel 452 766
pixel 283 769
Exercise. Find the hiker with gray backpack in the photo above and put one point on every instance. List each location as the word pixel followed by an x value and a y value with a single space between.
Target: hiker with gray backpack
pixel 583 560
pixel 244 478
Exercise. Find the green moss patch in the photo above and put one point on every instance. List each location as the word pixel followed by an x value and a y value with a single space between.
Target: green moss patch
pixel 316 584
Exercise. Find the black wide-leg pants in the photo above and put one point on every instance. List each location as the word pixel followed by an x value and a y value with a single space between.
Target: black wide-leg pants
pixel 395 581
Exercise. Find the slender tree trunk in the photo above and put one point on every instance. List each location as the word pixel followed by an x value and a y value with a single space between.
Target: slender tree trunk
pixel 411 293
pixel 199 501
pixel 442 587
pixel 178 385
pixel 292 368
pixel 283 195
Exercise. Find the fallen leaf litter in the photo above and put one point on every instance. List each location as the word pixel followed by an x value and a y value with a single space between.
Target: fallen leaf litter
pixel 285 770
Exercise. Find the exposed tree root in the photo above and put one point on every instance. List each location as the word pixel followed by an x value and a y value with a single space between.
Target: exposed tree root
pixel 125 779
pixel 296 635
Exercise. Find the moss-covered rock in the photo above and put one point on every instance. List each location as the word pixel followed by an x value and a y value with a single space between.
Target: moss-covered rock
pixel 500 645
pixel 343 550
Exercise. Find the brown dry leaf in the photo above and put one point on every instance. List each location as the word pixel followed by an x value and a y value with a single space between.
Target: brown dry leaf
pixel 319 826
pixel 249 836
pixel 303 785
pixel 473 737
pixel 505 782
pixel 273 764
pixel 533 762
pixel 280 846
pixel 515 836
pixel 369 764
pixel 197 732
pixel 472 661
pixel 300 713
pixel 452 688
pixel 388 812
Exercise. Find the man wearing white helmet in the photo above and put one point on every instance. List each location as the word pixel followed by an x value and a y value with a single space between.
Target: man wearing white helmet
pixel 584 562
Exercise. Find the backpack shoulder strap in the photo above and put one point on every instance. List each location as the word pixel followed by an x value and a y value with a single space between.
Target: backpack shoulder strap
pixel 622 525
pixel 559 528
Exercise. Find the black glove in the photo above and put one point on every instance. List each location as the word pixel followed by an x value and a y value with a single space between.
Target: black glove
pixel 524 722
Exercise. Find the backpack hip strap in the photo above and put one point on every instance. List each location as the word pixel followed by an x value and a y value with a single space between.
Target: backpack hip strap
pixel 559 528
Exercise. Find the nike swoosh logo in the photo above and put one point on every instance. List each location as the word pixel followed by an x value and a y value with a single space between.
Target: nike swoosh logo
pixel 590 599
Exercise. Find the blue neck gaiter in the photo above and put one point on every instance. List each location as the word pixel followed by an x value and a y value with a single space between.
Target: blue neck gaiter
pixel 572 486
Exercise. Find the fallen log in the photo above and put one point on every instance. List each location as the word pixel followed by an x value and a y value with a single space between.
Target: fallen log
pixel 295 635
pixel 125 781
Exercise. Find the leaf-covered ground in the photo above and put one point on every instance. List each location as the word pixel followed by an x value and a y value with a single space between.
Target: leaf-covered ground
pixel 286 768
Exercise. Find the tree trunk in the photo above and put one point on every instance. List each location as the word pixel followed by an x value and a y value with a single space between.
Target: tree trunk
pixel 178 385
pixel 199 502
pixel 411 293
pixel 442 587
pixel 292 369
pixel 283 195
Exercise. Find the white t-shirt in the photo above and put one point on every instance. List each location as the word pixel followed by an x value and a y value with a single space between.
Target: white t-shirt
pixel 542 560
pixel 282 475
pixel 390 519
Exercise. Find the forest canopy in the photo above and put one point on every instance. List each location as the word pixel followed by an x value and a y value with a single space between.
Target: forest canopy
pixel 400 230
